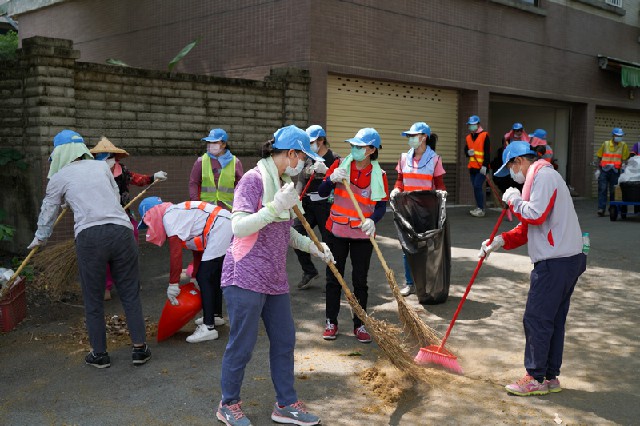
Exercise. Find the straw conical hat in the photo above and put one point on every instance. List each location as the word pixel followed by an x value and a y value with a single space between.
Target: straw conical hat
pixel 105 145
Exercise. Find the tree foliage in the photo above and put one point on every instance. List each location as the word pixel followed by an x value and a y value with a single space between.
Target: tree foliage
pixel 8 45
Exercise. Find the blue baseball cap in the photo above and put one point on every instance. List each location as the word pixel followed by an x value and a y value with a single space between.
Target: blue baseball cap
pixel 539 133
pixel 365 137
pixel 417 128
pixel 216 135
pixel 513 150
pixel 146 205
pixel 517 126
pixel 617 131
pixel 292 137
pixel 67 136
pixel 316 131
pixel 474 119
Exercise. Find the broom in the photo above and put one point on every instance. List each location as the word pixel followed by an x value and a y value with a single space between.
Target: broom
pixel 438 354
pixel 59 263
pixel 420 331
pixel 26 260
pixel 379 330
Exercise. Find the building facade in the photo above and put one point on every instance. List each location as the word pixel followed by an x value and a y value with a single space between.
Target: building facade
pixel 552 64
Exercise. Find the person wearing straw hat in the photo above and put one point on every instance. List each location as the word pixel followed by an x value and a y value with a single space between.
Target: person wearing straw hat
pixel 103 235
pixel 347 234
pixel 254 276
pixel 419 169
pixel 216 173
pixel 316 208
pixel 200 227
pixel 549 226
pixel 106 151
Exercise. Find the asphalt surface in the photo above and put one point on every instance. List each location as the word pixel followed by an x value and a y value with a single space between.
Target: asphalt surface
pixel 43 379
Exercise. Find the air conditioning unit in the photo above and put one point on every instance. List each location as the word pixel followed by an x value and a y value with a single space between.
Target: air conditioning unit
pixel 616 3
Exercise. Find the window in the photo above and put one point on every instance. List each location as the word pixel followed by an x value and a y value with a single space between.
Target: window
pixel 532 2
pixel 616 3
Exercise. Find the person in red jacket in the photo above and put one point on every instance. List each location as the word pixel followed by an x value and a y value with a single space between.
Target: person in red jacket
pixel 200 227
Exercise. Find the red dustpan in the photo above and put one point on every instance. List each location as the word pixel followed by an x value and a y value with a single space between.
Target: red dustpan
pixel 173 318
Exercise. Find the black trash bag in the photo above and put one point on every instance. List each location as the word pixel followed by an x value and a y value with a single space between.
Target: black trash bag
pixel 423 231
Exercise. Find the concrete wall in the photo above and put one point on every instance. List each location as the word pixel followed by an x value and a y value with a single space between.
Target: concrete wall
pixel 157 117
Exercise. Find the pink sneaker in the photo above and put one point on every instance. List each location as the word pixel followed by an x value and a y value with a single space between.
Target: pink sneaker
pixel 330 331
pixel 528 386
pixel 554 385
pixel 362 334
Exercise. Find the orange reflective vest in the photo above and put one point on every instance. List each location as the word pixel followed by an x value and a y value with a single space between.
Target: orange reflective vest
pixel 548 154
pixel 343 218
pixel 199 243
pixel 475 161
pixel 612 156
pixel 417 178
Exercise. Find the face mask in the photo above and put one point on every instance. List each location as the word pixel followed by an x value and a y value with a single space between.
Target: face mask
pixel 111 162
pixel 517 177
pixel 314 147
pixel 214 148
pixel 473 127
pixel 357 153
pixel 291 171
pixel 414 142
pixel 617 139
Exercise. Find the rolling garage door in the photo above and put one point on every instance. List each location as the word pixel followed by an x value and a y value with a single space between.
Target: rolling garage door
pixel 391 108
pixel 606 120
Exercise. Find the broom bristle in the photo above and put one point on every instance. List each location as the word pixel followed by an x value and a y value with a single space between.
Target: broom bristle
pixel 435 355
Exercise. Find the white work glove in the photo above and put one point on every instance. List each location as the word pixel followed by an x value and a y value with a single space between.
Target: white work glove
pixel 195 283
pixel 320 167
pixel 338 175
pixel 471 153
pixel 326 256
pixel 442 193
pixel 368 227
pixel 173 291
pixel 285 198
pixel 160 176
pixel 487 248
pixel 483 171
pixel 511 195
pixel 36 242
pixel 394 192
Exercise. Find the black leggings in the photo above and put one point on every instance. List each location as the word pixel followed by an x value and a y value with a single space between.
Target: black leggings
pixel 208 276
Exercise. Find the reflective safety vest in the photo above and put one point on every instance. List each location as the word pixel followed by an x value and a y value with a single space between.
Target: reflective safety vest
pixel 612 156
pixel 343 217
pixel 476 160
pixel 199 243
pixel 224 191
pixel 420 178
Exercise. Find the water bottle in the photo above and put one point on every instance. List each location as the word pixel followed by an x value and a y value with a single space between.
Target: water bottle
pixel 586 244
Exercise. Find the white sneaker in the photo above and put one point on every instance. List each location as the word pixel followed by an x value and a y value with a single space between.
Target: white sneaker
pixel 407 290
pixel 477 212
pixel 216 321
pixel 202 334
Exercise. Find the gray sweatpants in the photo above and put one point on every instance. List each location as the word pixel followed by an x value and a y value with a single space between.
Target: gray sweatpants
pixel 95 247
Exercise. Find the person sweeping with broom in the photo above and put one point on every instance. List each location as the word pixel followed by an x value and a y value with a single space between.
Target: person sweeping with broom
pixel 200 227
pixel 254 277
pixel 549 226
pixel 347 234
pixel 106 151
pixel 103 235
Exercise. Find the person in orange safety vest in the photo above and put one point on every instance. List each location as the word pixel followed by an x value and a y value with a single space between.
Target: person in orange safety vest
pixel 611 156
pixel 477 150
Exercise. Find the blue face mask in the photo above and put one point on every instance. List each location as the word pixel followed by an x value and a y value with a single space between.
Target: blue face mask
pixel 617 139
pixel 358 153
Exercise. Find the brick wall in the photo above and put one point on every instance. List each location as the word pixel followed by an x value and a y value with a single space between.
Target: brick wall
pixel 157 117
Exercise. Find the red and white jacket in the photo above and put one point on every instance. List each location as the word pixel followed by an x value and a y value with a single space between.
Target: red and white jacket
pixel 548 221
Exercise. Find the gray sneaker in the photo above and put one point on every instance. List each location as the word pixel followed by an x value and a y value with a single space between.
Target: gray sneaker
pixel 305 281
pixel 232 415
pixel 407 290
pixel 294 414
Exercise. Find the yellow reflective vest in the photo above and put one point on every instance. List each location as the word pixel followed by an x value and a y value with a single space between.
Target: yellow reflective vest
pixel 224 191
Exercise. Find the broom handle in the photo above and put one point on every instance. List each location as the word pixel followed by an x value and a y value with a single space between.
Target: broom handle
pixel 362 218
pixel 27 259
pixel 137 197
pixel 304 191
pixel 473 278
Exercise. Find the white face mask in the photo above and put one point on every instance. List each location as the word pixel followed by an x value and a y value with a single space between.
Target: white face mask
pixel 111 162
pixel 314 147
pixel 414 141
pixel 291 171
pixel 517 177
pixel 214 148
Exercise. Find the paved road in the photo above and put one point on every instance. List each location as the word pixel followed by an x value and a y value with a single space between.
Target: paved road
pixel 43 379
